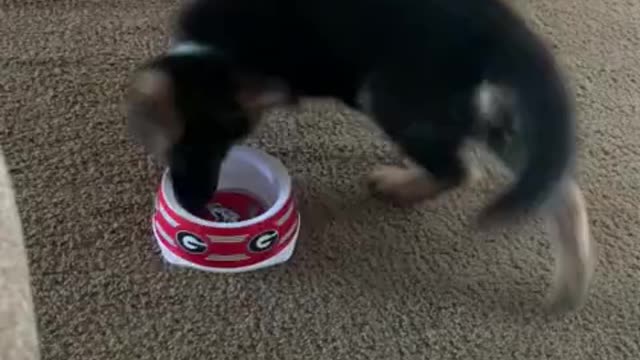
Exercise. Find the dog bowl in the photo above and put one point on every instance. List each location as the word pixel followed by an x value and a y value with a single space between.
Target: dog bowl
pixel 252 221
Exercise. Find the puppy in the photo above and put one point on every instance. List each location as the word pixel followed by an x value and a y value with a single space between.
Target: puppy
pixel 431 73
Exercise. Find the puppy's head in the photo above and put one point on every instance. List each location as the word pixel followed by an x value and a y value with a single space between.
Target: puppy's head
pixel 189 110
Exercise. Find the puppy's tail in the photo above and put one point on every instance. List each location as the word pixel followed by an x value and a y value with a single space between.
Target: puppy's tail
pixel 544 116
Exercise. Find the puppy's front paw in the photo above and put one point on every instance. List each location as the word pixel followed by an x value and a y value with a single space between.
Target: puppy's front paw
pixel 402 185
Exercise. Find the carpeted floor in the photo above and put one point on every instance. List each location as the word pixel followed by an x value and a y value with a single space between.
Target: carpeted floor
pixel 367 281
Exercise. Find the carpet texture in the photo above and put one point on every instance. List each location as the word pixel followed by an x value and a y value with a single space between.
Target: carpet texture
pixel 367 281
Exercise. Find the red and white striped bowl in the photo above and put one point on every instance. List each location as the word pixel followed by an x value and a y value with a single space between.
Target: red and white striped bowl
pixel 255 189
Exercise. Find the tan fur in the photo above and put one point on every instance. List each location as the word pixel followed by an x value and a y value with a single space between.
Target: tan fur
pixel 153 120
pixel 573 249
pixel 403 185
pixel 409 184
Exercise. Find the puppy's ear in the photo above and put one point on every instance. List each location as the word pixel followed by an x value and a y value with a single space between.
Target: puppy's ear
pixel 256 93
pixel 152 117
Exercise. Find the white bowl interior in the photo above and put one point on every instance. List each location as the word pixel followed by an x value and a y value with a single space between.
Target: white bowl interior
pixel 248 170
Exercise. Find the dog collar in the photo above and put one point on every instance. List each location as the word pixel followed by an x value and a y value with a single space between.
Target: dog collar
pixel 191 48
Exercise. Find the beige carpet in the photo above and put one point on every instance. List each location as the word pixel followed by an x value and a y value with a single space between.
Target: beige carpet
pixel 367 281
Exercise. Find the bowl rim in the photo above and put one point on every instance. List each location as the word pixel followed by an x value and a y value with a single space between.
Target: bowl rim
pixel 275 168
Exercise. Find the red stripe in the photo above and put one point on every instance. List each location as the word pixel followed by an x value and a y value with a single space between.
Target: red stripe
pixel 253 259
pixel 218 231
pixel 226 248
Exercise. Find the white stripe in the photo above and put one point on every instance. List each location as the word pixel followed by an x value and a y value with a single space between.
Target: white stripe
pixel 291 231
pixel 166 215
pixel 164 235
pixel 227 239
pixel 233 257
pixel 286 216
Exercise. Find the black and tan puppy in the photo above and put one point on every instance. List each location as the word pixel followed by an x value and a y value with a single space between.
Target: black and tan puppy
pixel 431 73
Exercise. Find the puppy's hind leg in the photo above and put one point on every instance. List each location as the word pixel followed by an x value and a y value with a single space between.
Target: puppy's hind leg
pixel 417 114
pixel 403 185
pixel 434 163
pixel 573 249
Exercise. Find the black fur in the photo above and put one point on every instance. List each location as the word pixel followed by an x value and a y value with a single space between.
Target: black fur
pixel 421 61
pixel 210 122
